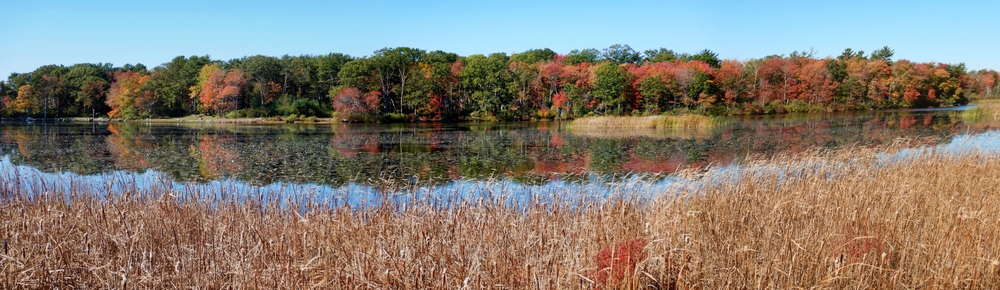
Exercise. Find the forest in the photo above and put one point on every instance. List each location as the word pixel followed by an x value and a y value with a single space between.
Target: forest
pixel 408 84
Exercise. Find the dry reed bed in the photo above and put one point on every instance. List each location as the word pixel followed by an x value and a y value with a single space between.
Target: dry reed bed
pixel 700 133
pixel 984 111
pixel 841 220
pixel 650 122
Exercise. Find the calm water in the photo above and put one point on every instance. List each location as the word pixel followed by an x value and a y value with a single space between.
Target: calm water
pixel 541 155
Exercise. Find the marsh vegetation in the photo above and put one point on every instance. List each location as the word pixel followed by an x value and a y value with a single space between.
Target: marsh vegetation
pixel 846 219
pixel 855 200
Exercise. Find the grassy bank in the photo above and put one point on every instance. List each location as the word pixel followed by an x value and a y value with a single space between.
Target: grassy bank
pixel 984 111
pixel 650 122
pixel 844 220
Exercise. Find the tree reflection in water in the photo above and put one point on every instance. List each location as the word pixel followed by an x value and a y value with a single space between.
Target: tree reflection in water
pixel 435 153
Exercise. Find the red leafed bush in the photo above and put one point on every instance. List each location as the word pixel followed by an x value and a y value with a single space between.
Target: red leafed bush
pixel 617 262
pixel 353 105
pixel 856 246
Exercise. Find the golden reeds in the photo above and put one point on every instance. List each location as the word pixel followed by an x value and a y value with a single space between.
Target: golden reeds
pixel 855 219
pixel 984 111
pixel 650 122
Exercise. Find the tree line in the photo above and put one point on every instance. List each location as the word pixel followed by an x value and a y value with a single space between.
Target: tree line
pixel 409 84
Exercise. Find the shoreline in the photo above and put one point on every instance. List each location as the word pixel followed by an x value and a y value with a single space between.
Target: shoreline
pixel 713 120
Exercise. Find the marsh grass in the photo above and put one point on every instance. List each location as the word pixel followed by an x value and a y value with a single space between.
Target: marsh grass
pixel 984 111
pixel 846 219
pixel 650 122
pixel 699 133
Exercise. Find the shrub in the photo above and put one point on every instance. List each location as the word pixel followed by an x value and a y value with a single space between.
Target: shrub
pixel 394 117
pixel 617 262
pixel 288 105
pixel 248 113
pixel 545 113
pixel 798 106
pixel 482 116
pixel 855 246
pixel 352 104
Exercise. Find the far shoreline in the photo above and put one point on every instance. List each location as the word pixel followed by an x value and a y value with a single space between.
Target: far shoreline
pixel 712 120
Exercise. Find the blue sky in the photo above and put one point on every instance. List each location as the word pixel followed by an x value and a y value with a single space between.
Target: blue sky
pixel 153 32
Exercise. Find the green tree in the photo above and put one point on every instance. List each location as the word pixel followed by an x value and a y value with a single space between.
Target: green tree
pixel 298 75
pixel 80 75
pixel 486 79
pixel 655 94
pixel 590 55
pixel 48 87
pixel 533 55
pixel 261 70
pixel 703 89
pixel 621 53
pixel 660 55
pixel 92 95
pixel 523 76
pixel 137 68
pixel 393 67
pixel 706 56
pixel 850 53
pixel 885 53
pixel 358 73
pixel 327 69
pixel 610 86
pixel 53 93
pixel 5 98
pixel 171 84
pixel 434 88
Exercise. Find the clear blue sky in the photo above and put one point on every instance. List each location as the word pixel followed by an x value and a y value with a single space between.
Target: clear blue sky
pixel 36 33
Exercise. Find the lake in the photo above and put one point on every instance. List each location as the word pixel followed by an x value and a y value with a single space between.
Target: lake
pixel 376 157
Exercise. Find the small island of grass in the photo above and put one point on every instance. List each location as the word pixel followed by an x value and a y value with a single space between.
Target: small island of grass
pixel 984 111
pixel 649 122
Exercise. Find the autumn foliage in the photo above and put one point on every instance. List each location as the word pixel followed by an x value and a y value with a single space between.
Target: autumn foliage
pixel 354 105
pixel 222 90
pixel 616 263
pixel 124 92
pixel 413 84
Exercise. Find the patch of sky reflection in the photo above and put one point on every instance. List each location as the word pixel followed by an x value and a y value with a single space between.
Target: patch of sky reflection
pixel 32 180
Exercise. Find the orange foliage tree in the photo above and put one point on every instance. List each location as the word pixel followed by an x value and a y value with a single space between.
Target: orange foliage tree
pixel 126 88
pixel 222 90
pixel 25 101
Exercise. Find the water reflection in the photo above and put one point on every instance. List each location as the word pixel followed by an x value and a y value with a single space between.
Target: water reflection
pixel 526 154
pixel 451 193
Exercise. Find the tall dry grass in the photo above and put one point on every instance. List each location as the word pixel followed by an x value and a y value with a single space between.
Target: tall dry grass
pixel 650 122
pixel 984 111
pixel 845 220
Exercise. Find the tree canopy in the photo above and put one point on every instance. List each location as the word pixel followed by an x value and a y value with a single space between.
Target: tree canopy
pixel 403 83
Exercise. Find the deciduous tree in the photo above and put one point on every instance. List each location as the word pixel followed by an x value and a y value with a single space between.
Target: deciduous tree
pixel 92 94
pixel 353 105
pixel 123 93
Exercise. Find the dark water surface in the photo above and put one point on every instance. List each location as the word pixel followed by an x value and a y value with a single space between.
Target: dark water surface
pixel 530 154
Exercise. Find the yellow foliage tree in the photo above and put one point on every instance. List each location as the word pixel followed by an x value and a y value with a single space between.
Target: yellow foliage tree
pixel 124 91
pixel 25 99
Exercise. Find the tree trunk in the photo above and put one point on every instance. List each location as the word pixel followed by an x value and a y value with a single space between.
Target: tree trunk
pixel 402 88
